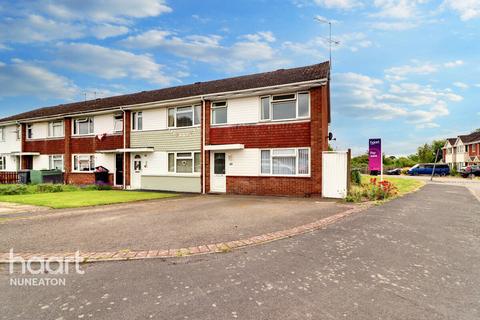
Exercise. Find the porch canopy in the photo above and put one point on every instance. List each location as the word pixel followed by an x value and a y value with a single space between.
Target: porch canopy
pixel 24 153
pixel 217 147
pixel 129 150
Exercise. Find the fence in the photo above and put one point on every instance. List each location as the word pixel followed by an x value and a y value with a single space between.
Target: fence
pixel 8 177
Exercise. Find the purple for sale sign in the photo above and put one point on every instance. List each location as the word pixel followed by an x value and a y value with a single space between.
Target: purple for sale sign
pixel 375 154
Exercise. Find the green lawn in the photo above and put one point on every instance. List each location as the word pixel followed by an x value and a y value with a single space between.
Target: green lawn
pixel 404 185
pixel 76 199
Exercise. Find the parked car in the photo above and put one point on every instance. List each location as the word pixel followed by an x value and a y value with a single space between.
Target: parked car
pixel 427 169
pixel 394 172
pixel 470 172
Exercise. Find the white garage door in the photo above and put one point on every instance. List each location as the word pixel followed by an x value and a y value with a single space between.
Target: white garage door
pixel 334 174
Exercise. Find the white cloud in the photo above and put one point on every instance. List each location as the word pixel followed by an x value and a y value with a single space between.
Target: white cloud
pixel 394 26
pixel 361 96
pixel 110 63
pixel 37 28
pixel 103 11
pixel 467 9
pixel 397 9
pixel 106 30
pixel 418 68
pixel 453 64
pixel 461 85
pixel 338 4
pixel 250 50
pixel 19 78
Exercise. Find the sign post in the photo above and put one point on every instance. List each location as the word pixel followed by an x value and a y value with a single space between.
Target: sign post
pixel 375 157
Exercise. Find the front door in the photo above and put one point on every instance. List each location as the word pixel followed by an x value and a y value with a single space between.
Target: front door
pixel 136 180
pixel 218 181
pixel 119 169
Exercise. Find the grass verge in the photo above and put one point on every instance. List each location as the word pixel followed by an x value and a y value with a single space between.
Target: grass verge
pixel 77 199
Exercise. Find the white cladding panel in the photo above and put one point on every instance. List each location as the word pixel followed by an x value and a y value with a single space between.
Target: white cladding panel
pixel 106 160
pixel 244 162
pixel 11 144
pixel 155 163
pixel 154 119
pixel 104 124
pixel 39 130
pixel 41 162
pixel 243 110
pixel 12 163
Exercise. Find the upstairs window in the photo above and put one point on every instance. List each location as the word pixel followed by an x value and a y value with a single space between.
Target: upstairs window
pixel 181 117
pixel 137 121
pixel 18 132
pixel 285 162
pixel 285 106
pixel 83 126
pixel 184 162
pixel 118 122
pixel 219 112
pixel 29 131
pixel 2 134
pixel 84 163
pixel 55 162
pixel 55 129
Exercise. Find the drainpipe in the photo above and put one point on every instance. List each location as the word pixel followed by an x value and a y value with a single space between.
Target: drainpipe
pixel 21 143
pixel 124 146
pixel 203 146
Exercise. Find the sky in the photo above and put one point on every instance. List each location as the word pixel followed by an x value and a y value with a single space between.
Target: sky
pixel 406 71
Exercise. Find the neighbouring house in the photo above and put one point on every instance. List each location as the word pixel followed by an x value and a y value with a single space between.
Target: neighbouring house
pixel 462 151
pixel 260 134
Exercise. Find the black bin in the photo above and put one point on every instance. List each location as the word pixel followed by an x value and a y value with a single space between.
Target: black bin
pixel 24 177
pixel 101 175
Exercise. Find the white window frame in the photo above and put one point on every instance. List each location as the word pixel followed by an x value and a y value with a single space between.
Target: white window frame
pixel 52 125
pixel 2 134
pixel 51 160
pixel 195 122
pixel 18 132
pixel 116 121
pixel 3 163
pixel 135 116
pixel 215 106
pixel 271 102
pixel 78 166
pixel 29 131
pixel 191 157
pixel 91 126
pixel 296 162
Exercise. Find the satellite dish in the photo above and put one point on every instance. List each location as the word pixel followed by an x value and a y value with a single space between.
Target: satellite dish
pixel 330 136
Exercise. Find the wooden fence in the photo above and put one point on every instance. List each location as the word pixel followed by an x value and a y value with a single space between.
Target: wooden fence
pixel 8 177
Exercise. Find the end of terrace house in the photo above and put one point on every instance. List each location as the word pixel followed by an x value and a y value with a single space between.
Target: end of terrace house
pixel 260 134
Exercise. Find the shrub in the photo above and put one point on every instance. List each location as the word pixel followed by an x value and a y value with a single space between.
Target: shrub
pixel 92 187
pixel 373 191
pixel 356 177
pixel 14 189
pixel 49 188
pixel 454 171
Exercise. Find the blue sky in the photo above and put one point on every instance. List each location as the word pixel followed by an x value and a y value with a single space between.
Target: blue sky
pixel 405 70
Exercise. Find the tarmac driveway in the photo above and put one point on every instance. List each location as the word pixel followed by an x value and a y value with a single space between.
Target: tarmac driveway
pixel 159 224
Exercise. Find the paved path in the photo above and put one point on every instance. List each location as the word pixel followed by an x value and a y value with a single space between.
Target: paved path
pixel 417 257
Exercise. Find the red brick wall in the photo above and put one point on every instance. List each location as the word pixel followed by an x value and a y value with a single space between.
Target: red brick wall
pixel 263 135
pixel 270 186
pixel 85 178
pixel 47 146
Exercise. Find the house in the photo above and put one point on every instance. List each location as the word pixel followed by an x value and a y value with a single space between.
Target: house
pixel 257 134
pixel 462 151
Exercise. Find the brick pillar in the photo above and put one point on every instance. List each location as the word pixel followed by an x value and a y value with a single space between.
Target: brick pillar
pixel 318 134
pixel 206 154
pixel 127 132
pixel 67 156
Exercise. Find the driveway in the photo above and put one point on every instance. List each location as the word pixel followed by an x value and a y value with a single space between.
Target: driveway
pixel 416 257
pixel 171 223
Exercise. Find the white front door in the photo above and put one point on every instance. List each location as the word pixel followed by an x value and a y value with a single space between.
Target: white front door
pixel 218 179
pixel 136 176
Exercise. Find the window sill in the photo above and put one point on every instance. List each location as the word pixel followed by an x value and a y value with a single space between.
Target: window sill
pixel 284 176
pixel 177 175
pixel 82 172
pixel 83 135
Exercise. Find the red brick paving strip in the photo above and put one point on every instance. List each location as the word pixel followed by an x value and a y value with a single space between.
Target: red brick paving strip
pixel 122 255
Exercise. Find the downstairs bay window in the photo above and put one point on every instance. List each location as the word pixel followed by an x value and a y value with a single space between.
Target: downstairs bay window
pixel 285 162
pixel 83 163
pixel 184 162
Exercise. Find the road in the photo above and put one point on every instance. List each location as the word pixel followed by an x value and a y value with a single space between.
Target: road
pixel 417 257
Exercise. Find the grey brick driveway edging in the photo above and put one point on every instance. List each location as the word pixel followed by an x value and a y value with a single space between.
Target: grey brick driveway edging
pixel 222 247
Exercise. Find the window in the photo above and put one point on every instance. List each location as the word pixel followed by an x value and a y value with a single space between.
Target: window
pixel 285 106
pixel 3 163
pixel 466 148
pixel 180 117
pixel 2 134
pixel 29 131
pixel 18 132
pixel 219 112
pixel 55 129
pixel 184 162
pixel 285 162
pixel 137 121
pixel 84 163
pixel 118 122
pixel 55 162
pixel 83 126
